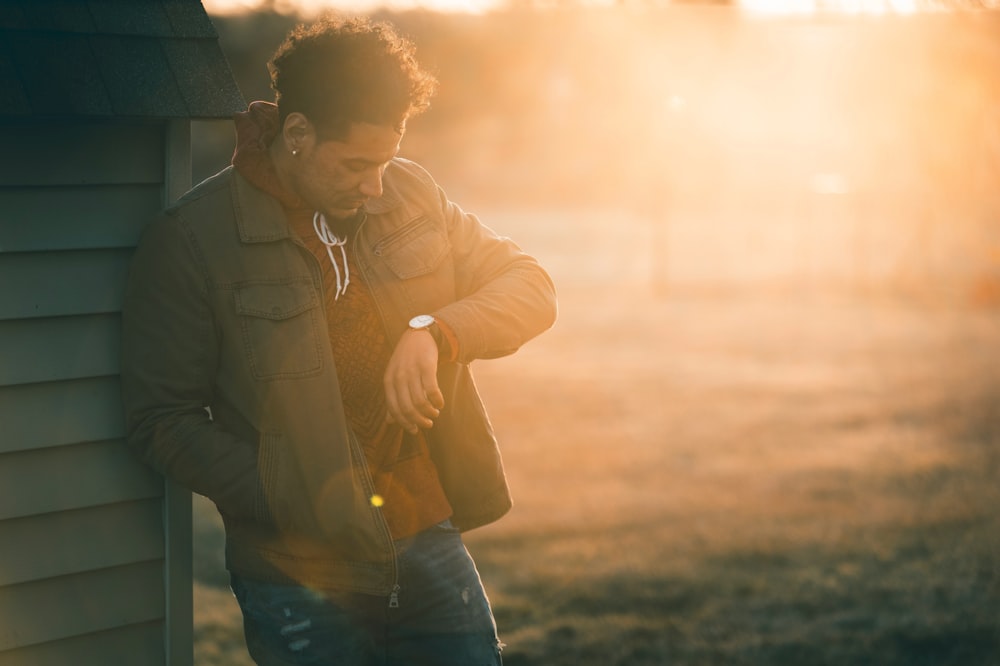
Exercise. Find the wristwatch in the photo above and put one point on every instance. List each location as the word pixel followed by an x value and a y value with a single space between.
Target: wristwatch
pixel 422 321
pixel 428 323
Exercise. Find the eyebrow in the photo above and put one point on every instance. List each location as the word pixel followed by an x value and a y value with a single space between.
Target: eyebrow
pixel 362 160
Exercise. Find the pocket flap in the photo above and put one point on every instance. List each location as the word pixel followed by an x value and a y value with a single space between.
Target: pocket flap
pixel 275 300
pixel 416 249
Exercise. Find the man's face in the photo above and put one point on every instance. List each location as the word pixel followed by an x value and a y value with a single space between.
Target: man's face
pixel 337 176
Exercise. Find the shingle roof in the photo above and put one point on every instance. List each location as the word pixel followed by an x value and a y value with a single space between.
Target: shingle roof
pixel 137 58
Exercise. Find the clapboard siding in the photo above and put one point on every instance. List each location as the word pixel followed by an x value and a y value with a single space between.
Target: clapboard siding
pixel 56 413
pixel 53 348
pixel 69 542
pixel 63 478
pixel 55 608
pixel 74 217
pixel 95 548
pixel 133 644
pixel 70 282
pixel 81 153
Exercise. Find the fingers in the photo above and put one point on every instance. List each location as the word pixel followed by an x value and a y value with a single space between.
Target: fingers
pixel 413 398
pixel 412 406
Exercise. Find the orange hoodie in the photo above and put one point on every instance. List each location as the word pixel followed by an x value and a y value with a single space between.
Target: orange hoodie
pixel 404 475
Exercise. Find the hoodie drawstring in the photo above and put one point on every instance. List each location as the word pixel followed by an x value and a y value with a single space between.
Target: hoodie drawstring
pixel 330 240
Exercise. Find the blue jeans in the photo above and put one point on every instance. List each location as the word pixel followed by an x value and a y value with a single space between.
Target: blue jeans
pixel 442 618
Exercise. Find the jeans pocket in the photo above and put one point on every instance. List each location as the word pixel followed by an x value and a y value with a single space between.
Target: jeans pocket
pixel 290 624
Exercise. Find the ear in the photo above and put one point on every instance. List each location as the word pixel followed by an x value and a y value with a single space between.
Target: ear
pixel 298 132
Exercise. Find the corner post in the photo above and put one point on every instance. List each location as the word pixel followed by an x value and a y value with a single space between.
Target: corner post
pixel 178 566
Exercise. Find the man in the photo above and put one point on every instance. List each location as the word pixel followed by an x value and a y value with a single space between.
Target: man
pixel 296 338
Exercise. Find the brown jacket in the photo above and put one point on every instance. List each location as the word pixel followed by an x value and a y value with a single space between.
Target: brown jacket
pixel 230 388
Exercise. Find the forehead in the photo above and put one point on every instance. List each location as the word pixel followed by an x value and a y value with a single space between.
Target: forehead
pixel 367 142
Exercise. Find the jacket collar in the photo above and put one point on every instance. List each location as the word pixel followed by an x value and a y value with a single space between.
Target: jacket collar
pixel 384 203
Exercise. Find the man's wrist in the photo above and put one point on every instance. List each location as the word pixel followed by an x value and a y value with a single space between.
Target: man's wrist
pixel 443 338
pixel 435 332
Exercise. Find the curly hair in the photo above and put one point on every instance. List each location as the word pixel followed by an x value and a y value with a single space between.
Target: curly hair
pixel 340 71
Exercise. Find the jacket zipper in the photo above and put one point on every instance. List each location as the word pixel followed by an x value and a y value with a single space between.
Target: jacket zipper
pixel 394 593
pixel 355 447
pixel 379 520
pixel 394 596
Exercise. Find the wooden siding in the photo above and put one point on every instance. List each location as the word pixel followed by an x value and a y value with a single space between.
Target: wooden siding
pixel 36 416
pixel 70 282
pixel 70 542
pixel 64 478
pixel 94 546
pixel 77 347
pixel 134 644
pixel 63 219
pixel 38 154
pixel 54 608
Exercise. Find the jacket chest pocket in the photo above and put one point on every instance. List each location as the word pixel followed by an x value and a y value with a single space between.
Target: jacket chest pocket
pixel 280 326
pixel 416 249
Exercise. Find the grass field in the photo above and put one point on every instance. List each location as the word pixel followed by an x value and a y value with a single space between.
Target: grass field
pixel 731 477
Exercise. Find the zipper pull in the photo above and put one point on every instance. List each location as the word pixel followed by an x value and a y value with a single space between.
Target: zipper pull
pixel 394 597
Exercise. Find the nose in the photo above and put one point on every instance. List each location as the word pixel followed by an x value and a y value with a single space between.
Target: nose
pixel 371 184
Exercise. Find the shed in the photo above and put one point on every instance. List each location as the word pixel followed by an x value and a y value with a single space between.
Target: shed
pixel 96 103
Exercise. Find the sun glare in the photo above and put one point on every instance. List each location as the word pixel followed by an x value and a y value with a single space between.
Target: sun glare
pixel 765 7
pixel 313 7
pixel 808 7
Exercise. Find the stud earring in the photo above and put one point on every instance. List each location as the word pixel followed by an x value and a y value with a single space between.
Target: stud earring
pixel 295 152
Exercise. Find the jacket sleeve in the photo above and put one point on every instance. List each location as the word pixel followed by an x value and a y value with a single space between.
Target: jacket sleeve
pixel 505 297
pixel 169 358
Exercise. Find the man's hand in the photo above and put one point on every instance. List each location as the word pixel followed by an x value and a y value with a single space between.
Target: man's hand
pixel 412 395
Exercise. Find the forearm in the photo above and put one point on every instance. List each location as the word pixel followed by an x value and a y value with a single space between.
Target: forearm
pixel 186 446
pixel 502 315
pixel 505 296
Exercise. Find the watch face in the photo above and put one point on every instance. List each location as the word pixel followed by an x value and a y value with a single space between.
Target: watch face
pixel 421 321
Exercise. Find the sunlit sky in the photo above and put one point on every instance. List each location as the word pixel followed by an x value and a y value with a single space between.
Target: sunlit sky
pixel 310 7
pixel 778 7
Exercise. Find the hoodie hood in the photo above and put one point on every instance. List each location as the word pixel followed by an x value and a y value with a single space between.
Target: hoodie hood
pixel 256 129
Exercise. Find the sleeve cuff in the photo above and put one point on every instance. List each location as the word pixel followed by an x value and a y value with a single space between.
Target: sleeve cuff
pixel 449 342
